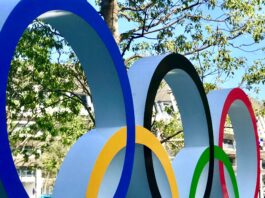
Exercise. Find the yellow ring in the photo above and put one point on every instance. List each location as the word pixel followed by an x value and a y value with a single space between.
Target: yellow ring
pixel 116 143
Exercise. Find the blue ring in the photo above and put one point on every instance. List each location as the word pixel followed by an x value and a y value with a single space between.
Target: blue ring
pixel 19 18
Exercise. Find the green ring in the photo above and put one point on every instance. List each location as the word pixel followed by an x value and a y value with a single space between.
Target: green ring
pixel 204 159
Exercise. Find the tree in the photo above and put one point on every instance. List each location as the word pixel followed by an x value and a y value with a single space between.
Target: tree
pixel 45 96
pixel 45 73
pixel 212 33
pixel 170 133
pixel 217 36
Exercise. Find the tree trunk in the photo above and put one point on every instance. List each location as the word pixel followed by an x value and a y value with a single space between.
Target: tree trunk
pixel 109 10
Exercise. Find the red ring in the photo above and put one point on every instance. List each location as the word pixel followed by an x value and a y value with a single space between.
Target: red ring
pixel 238 94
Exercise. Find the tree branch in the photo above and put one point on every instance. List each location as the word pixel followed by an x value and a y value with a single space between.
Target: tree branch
pixel 171 136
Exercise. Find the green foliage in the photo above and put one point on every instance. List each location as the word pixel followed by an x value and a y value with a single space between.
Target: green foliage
pixel 255 74
pixel 216 35
pixel 221 38
pixel 170 132
pixel 209 87
pixel 43 97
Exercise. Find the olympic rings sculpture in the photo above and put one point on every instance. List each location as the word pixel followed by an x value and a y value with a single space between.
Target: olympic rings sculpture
pixel 121 157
